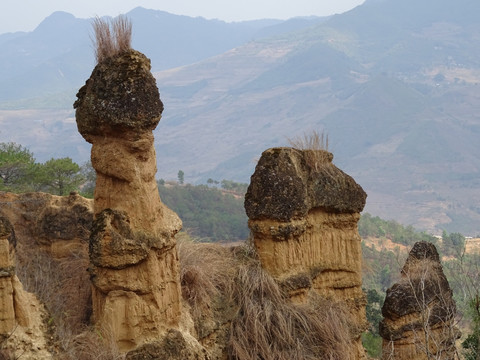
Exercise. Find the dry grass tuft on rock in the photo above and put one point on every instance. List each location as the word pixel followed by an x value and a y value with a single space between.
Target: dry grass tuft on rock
pixel 315 146
pixel 111 38
pixel 122 28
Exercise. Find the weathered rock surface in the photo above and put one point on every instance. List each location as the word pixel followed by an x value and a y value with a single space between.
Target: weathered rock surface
pixel 136 293
pixel 419 310
pixel 59 225
pixel 134 262
pixel 22 331
pixel 120 95
pixel 304 225
pixel 285 187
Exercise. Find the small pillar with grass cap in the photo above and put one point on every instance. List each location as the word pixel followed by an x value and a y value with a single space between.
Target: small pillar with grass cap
pixel 303 213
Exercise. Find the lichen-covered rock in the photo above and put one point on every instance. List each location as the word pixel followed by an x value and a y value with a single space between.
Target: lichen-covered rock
pixel 120 96
pixel 419 310
pixel 285 187
pixel 303 216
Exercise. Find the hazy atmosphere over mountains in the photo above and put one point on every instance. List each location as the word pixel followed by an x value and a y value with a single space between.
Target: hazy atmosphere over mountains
pixel 393 83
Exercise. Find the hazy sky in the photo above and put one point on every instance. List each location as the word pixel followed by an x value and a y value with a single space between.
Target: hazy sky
pixel 25 15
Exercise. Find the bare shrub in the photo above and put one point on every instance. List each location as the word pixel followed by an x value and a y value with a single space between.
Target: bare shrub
pixel 6 355
pixel 62 285
pixel 315 146
pixel 111 38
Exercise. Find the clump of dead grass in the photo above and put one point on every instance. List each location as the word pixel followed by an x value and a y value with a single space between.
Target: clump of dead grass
pixel 315 147
pixel 268 326
pixel 264 324
pixel 111 38
pixel 93 344
pixel 63 285
pixel 205 272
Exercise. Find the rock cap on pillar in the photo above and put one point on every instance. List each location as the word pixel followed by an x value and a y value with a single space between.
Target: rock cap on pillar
pixel 119 99
pixel 287 183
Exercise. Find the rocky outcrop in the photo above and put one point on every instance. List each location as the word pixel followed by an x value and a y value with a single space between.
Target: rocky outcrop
pixel 303 217
pixel 22 332
pixel 134 262
pixel 59 225
pixel 419 310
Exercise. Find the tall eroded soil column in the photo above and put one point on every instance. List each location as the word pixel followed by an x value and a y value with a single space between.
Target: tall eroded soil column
pixel 303 213
pixel 134 262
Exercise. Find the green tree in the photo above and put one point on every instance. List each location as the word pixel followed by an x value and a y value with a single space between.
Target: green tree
pixel 207 212
pixel 453 244
pixel 60 176
pixel 181 177
pixel 239 188
pixel 374 310
pixel 90 177
pixel 472 343
pixel 16 162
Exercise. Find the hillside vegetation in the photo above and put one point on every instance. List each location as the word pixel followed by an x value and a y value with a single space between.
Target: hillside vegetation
pixel 207 213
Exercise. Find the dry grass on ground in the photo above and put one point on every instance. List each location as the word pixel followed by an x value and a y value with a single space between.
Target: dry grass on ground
pixel 64 287
pixel 265 324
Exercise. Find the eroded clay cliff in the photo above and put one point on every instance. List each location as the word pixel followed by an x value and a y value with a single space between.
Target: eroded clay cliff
pixel 134 262
pixel 22 330
pixel 303 218
pixel 419 311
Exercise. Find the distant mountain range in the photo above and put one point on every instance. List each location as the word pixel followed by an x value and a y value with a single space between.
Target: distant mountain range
pixel 394 84
pixel 58 56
